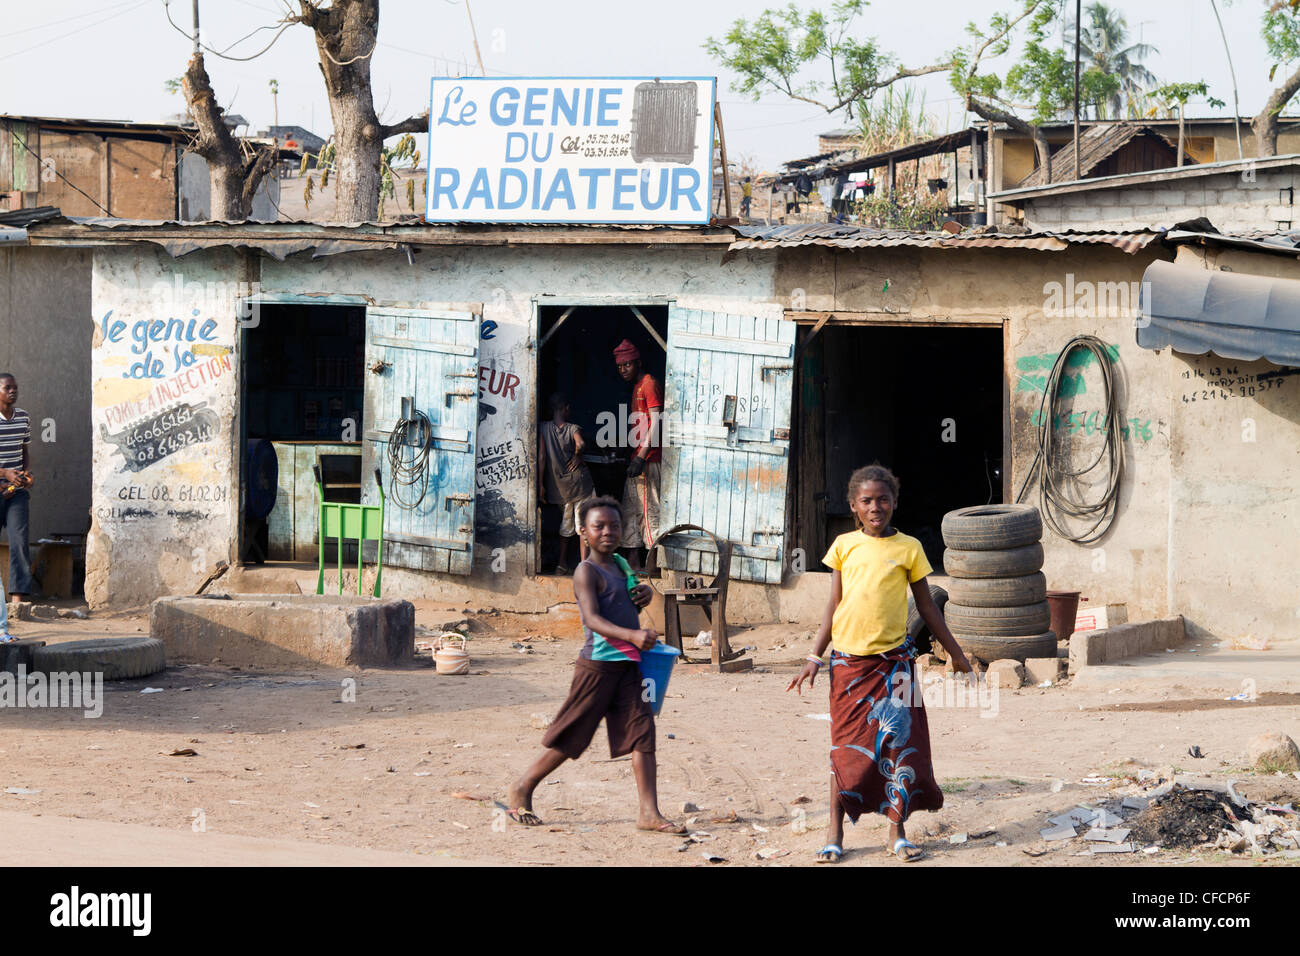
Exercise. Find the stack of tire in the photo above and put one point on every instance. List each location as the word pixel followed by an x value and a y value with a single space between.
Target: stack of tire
pixel 997 596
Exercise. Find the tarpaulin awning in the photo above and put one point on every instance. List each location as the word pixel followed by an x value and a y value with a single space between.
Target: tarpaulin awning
pixel 1234 316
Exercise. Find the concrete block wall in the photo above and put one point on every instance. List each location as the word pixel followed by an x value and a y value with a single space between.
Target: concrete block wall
pixel 1259 199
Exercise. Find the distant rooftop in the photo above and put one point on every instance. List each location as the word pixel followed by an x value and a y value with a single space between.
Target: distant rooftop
pixel 1098 144
pixel 1173 173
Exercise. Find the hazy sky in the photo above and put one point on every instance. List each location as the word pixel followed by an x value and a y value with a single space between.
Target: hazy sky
pixel 109 59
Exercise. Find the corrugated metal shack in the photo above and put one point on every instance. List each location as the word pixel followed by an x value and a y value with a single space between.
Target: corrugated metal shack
pixel 928 352
pixel 89 167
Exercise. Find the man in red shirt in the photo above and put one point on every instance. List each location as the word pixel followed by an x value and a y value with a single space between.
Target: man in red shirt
pixel 641 492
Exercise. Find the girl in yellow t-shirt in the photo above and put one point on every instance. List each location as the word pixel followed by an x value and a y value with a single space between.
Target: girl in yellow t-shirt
pixel 880 742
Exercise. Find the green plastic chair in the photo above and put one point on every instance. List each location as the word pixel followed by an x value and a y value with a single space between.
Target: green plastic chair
pixel 342 519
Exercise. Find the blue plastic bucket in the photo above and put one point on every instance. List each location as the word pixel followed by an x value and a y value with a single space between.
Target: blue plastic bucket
pixel 657 667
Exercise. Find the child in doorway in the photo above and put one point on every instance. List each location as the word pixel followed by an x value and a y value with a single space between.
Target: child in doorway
pixel 607 677
pixel 880 742
pixel 562 477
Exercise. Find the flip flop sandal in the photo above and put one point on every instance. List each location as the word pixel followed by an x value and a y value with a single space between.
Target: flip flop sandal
pixel 830 853
pixel 902 844
pixel 525 817
pixel 666 827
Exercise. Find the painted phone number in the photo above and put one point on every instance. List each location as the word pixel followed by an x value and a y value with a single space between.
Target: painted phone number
pixel 214 493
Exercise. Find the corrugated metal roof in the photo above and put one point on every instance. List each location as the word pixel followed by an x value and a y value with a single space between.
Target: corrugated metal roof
pixel 857 237
pixel 401 222
pixel 281 239
pixel 1095 145
pixel 926 147
pixel 1283 243
pixel 172 130
pixel 14 223
pixel 1156 177
pixel 22 218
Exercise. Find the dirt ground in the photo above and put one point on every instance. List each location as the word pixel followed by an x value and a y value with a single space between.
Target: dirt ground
pixel 412 765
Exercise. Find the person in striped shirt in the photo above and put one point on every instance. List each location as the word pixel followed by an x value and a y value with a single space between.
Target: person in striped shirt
pixel 15 465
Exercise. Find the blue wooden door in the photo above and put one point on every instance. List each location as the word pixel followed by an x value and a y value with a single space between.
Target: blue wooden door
pixel 726 454
pixel 431 359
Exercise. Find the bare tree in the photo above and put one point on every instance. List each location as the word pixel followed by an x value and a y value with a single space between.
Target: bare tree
pixel 346 33
pixel 235 168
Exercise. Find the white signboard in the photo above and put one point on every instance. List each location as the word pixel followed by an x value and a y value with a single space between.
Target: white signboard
pixel 589 150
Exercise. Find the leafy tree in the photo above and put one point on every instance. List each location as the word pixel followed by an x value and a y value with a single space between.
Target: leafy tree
pixel 1102 44
pixel 1177 94
pixel 781 51
pixel 1281 31
pixel 1043 76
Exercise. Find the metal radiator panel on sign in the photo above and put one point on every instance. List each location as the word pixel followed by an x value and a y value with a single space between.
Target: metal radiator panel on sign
pixel 726 452
pixel 430 359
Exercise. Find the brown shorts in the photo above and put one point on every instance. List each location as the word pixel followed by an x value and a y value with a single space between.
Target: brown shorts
pixel 603 689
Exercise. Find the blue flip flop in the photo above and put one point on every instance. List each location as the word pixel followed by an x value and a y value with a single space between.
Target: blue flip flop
pixel 902 844
pixel 830 853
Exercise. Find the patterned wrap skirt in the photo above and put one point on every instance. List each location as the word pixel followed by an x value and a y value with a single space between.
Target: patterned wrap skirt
pixel 880 741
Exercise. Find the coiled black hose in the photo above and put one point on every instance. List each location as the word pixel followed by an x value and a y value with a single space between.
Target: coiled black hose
pixel 1063 496
pixel 408 460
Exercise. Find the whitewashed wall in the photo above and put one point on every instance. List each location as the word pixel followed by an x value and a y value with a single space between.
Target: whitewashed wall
pixel 1016 288
pixel 505 281
pixel 1207 524
pixel 164 499
pixel 1234 522
pixel 144 544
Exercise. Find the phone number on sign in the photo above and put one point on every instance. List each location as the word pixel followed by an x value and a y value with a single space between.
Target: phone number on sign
pixel 214 493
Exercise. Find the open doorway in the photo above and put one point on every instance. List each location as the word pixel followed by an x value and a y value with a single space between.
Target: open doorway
pixel 576 359
pixel 926 402
pixel 301 405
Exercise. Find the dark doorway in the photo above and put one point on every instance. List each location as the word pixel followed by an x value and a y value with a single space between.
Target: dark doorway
pixel 925 402
pixel 577 360
pixel 302 396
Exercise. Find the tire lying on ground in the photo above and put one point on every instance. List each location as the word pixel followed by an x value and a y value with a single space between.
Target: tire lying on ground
pixel 989 649
pixel 999 592
pixel 1024 621
pixel 117 658
pixel 1010 563
pixel 992 527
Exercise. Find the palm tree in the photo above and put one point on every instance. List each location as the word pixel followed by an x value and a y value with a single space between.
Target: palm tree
pixel 1102 44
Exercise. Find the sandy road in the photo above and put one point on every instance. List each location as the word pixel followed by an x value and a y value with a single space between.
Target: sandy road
pixel 288 770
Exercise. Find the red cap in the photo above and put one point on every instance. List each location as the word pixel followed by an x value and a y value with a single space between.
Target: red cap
pixel 625 351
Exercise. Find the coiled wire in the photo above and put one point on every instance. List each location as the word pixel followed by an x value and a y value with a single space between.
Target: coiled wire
pixel 408 460
pixel 1063 495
